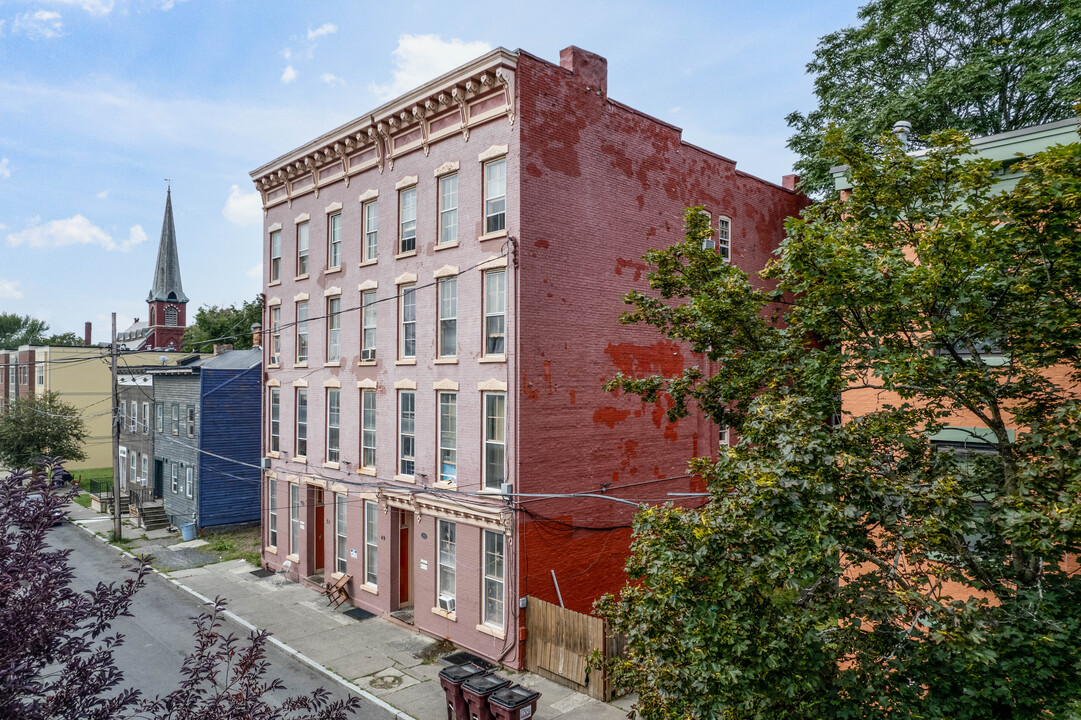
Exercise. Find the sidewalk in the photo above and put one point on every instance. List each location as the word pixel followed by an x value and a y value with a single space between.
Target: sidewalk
pixel 377 657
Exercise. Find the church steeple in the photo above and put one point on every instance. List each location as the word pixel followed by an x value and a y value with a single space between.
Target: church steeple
pixel 167 286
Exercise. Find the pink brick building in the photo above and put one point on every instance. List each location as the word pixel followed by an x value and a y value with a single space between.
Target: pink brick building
pixel 443 280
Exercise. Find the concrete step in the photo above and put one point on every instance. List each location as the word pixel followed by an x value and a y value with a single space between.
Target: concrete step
pixel 154 517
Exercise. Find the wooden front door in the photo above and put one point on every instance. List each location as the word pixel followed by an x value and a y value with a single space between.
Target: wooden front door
pixel 405 558
pixel 159 479
pixel 318 531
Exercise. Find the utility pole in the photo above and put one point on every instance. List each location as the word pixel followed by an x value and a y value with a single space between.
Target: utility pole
pixel 116 440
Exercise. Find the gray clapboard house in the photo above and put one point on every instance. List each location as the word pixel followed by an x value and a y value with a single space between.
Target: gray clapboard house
pixel 207 439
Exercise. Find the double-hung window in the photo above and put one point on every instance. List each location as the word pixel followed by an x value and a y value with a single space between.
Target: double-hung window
pixel 176 418
pixel 275 419
pixel 334 329
pixel 133 418
pixel 493 578
pixel 275 335
pixel 301 449
pixel 190 481
pixel 294 519
pixel 122 413
pixel 371 543
pixel 159 417
pixel 334 424
pixel 448 209
pixel 146 417
pixel 448 437
pixel 407 311
pixel 144 468
pixel 407 439
pixel 495 195
pixel 447 565
pixel 133 474
pixel 495 312
pixel 302 249
pixel 367 326
pixel 302 331
pixel 448 317
pixel 272 512
pixel 334 241
pixel 407 214
pixel 367 432
pixel 371 232
pixel 340 552
pixel 191 421
pixel 275 256
pixel 173 475
pixel 495 439
pixel 724 237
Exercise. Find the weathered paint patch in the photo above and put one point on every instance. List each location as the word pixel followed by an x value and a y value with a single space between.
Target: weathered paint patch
pixel 638 267
pixel 610 416
pixel 663 358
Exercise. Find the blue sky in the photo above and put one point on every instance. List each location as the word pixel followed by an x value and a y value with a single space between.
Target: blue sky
pixel 101 100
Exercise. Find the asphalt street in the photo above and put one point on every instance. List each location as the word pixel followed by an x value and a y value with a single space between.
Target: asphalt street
pixel 159 635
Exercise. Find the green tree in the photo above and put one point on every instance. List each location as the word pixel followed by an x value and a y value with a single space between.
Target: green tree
pixel 39 426
pixel 854 569
pixel 68 339
pixel 982 66
pixel 223 325
pixel 16 330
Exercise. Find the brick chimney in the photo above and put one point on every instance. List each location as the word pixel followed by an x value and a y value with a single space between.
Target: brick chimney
pixel 257 335
pixel 789 182
pixel 223 348
pixel 86 334
pixel 591 68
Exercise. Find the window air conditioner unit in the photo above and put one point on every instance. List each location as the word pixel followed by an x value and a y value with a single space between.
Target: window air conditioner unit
pixel 265 463
pixel 367 354
pixel 446 604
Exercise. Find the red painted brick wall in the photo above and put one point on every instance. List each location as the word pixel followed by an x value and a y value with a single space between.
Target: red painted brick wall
pixel 600 185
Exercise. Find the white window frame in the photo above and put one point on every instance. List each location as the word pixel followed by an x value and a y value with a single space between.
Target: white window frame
pixel 144 468
pixel 275 335
pixel 303 249
pixel 407 220
pixel 122 413
pixel 448 209
pixel 146 417
pixel 723 437
pixel 334 329
pixel 494 433
pixel 189 480
pixel 708 242
pixel 334 425
pixel 274 415
pixel 133 463
pixel 191 421
pixel 133 417
pixel 493 590
pixel 447 302
pixel 367 326
pixel 407 433
pixel 272 512
pixel 176 419
pixel 39 367
pixel 334 240
pixel 276 256
pixel 495 313
pixel 175 475
pixel 447 436
pixel 300 398
pixel 724 237
pixel 407 321
pixel 367 428
pixel 294 519
pixel 371 543
pixel 446 565
pixel 370 250
pixel 302 331
pixel 341 552
pixel 495 196
pixel 159 417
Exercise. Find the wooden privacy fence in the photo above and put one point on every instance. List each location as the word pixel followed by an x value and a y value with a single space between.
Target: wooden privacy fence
pixel 559 643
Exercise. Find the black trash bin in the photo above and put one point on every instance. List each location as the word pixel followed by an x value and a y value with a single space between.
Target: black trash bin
pixel 513 703
pixel 451 679
pixel 476 690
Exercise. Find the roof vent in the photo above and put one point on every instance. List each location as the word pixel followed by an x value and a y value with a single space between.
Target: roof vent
pixel 902 129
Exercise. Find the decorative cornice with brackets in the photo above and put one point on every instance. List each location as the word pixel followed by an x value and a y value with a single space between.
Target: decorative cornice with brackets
pixel 410 116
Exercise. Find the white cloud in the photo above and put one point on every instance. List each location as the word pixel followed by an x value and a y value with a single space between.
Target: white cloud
pixel 103 195
pixel 94 7
pixel 168 5
pixel 75 230
pixel 5 168
pixel 256 271
pixel 287 54
pixel 420 58
pixel 331 79
pixel 324 29
pixel 40 24
pixel 9 290
pixel 289 74
pixel 243 209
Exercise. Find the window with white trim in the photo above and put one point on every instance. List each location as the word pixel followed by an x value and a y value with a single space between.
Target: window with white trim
pixel 301 448
pixel 724 237
pixel 191 421
pixel 367 432
pixel 133 417
pixel 407 311
pixel 448 437
pixel 445 583
pixel 448 317
pixel 159 417
pixel 334 240
pixel 40 367
pixel 371 543
pixel 493 578
pixel 294 519
pixel 367 326
pixel 448 209
pixel 723 438
pixel 175 485
pixel 122 413
pixel 176 418
pixel 302 249
pixel 495 312
pixel 146 417
pixel 275 335
pixel 371 231
pixel 274 441
pixel 276 256
pixel 334 424
pixel 334 329
pixel 190 480
pixel 407 438
pixel 272 512
pixel 302 331
pixel 407 215
pixel 144 461
pixel 708 242
pixel 495 439
pixel 340 546
pixel 132 473
pixel 495 195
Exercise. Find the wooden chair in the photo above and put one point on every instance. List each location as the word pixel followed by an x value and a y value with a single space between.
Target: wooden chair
pixel 336 592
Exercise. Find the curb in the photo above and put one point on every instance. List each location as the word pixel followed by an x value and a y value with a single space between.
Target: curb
pixel 293 652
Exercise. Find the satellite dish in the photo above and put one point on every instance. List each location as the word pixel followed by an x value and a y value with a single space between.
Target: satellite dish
pixel 164 359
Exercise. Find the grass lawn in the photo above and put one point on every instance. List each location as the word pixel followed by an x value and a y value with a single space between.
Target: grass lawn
pixel 235 544
pixel 99 480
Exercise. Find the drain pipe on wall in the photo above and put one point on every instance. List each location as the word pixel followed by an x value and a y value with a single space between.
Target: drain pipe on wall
pixel 558 594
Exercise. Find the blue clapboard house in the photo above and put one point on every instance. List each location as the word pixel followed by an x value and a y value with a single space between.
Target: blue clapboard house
pixel 207 425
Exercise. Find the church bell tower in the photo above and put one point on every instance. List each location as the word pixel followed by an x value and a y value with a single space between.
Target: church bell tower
pixel 167 301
